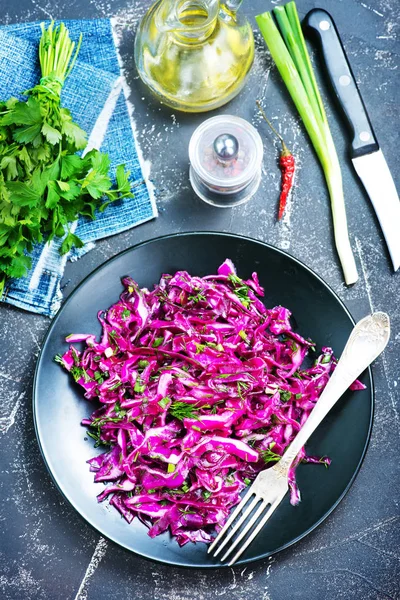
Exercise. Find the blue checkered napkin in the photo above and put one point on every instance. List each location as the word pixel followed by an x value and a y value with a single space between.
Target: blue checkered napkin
pixel 94 93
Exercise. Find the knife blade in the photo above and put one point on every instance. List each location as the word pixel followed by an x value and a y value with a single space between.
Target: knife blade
pixel 366 155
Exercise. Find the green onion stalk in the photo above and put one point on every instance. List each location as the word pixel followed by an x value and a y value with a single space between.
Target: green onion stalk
pixel 288 49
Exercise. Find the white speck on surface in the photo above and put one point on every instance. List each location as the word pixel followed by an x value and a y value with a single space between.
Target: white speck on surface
pixel 29 486
pixel 359 535
pixel 266 594
pixel 390 392
pixel 387 59
pixel 127 16
pixel 44 9
pixel 35 340
pixel 372 9
pixel 234 584
pixel 272 560
pixel 97 557
pixel 381 86
pixel 386 369
pixel 262 65
pixel 365 274
pixel 7 422
pixel 230 587
pixel 21 583
pixel 390 26
pixel 9 377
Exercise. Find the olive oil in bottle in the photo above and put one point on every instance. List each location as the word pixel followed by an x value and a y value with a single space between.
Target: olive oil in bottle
pixel 194 55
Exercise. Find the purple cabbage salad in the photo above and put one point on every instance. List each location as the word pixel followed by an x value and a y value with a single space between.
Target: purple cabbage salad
pixel 200 387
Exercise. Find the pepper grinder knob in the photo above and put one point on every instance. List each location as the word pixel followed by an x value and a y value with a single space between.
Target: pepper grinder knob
pixel 226 147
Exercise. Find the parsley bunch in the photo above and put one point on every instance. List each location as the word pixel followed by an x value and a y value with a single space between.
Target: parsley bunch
pixel 44 184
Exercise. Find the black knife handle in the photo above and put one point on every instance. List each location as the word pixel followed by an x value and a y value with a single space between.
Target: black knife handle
pixel 319 24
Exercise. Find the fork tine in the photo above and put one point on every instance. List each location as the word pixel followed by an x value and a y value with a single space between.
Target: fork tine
pixel 247 528
pixel 255 532
pixel 231 519
pixel 244 516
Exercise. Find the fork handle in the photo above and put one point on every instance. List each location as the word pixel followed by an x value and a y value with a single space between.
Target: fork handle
pixel 367 340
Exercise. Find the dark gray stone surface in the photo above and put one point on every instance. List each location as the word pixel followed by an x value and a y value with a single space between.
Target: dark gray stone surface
pixel 47 551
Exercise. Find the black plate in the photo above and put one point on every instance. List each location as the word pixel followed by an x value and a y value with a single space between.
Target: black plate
pixel 59 405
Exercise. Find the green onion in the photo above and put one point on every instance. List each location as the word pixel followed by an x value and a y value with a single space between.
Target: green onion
pixel 164 402
pixel 243 335
pixel 139 387
pixel 288 50
pixel 285 395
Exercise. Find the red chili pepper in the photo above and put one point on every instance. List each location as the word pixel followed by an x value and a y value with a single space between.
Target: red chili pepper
pixel 286 165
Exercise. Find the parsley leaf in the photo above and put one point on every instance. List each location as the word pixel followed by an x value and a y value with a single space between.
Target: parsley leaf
pixel 52 135
pixel 70 240
pixel 71 165
pixel 21 194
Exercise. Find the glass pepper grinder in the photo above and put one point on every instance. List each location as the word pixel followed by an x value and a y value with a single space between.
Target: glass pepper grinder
pixel 225 155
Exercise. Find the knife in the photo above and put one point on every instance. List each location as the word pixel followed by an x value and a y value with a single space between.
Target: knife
pixel 366 155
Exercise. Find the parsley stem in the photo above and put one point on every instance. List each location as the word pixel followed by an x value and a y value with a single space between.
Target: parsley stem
pixel 56 52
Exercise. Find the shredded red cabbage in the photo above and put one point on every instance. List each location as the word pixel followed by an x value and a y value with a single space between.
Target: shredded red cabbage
pixel 200 388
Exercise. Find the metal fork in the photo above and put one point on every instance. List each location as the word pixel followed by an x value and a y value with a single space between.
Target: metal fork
pixel 367 340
